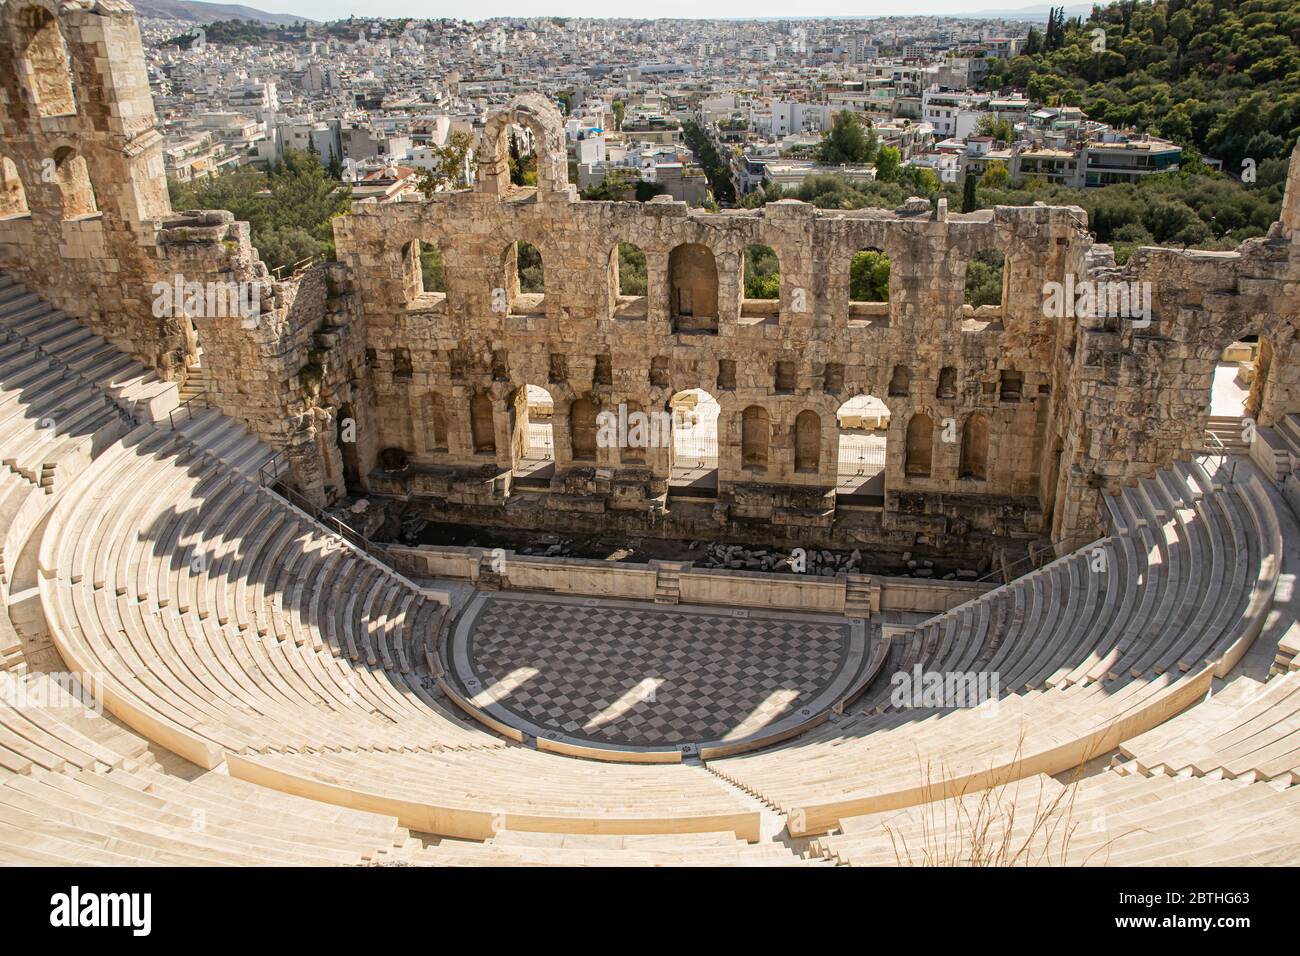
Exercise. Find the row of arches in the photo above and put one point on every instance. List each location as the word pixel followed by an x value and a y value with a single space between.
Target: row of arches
pixel 693 287
pixel 689 430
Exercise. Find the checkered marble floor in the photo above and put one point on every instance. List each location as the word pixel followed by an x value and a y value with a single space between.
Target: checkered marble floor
pixel 642 675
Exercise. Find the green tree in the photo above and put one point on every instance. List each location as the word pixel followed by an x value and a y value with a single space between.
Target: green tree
pixel 846 142
pixel 887 164
pixel 451 164
pixel 620 110
pixel 869 276
pixel 968 201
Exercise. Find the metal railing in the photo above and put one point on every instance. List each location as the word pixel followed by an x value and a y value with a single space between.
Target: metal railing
pixel 268 477
pixel 1220 450
pixel 293 268
pixel 186 406
pixel 1032 560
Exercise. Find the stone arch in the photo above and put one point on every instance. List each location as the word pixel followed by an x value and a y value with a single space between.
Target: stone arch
pixel 693 288
pixel 534 112
pixel 13 197
pixel 807 442
pixel 582 429
pixel 482 424
pixel 755 436
pixel 43 61
pixel 974 447
pixel 695 447
pixel 72 177
pixel 919 453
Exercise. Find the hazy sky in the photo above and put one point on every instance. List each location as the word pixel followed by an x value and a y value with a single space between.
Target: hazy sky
pixel 483 9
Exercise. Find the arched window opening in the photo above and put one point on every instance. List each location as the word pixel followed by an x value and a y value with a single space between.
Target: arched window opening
pixel 13 198
pixel 532 437
pixel 760 285
pixel 73 179
pixel 694 444
pixel 869 273
pixel 985 283
pixel 45 59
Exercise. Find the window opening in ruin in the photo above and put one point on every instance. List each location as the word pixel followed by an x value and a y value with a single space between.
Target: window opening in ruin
pixel 863 426
pixel 532 438
pixel 694 444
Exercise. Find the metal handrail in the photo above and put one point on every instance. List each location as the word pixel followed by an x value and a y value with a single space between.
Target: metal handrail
pixel 1225 458
pixel 1073 544
pixel 187 405
pixel 268 476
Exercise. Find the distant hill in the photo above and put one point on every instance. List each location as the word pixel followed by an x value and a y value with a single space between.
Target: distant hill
pixel 193 11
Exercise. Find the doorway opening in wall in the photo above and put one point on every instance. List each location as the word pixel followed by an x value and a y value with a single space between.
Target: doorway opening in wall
pixel 863 425
pixel 695 444
pixel 533 437
pixel 1227 429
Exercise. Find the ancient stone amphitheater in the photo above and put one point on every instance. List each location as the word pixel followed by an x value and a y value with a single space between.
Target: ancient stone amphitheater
pixel 254 682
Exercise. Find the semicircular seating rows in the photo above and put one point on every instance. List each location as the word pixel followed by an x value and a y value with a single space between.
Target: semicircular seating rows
pixel 1090 650
pixel 213 619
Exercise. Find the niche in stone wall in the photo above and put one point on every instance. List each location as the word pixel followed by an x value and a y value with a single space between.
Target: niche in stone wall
pixel 920 446
pixel 807 441
pixel 974 447
pixel 72 177
pixel 693 288
pixel 727 374
pixel 785 378
pixel 482 426
pixel 947 388
pixel 900 382
pixel 755 435
pixel 582 429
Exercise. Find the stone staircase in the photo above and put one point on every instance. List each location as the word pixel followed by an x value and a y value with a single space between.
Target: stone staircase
pixel 857 595
pixel 1227 429
pixel 196 384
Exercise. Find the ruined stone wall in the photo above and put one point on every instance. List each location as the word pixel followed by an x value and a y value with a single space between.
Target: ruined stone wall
pixel 433 354
pixel 87 222
pixel 429 386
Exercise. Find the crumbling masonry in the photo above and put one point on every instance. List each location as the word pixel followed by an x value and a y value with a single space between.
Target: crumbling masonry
pixel 431 385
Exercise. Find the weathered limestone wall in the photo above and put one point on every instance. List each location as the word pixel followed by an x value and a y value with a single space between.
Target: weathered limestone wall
pixel 369 383
pixel 431 355
pixel 88 223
